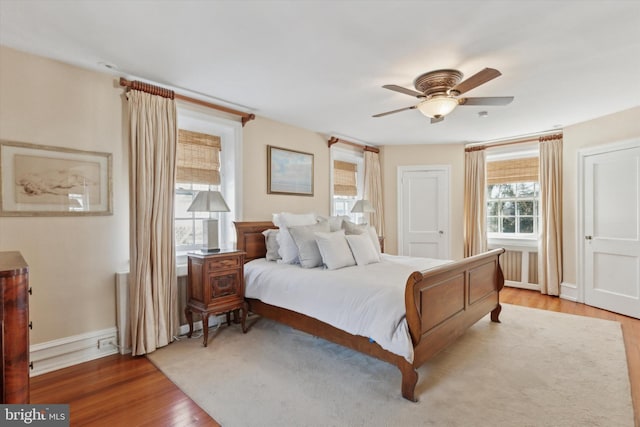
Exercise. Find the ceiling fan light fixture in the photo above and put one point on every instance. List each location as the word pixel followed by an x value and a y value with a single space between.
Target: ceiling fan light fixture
pixel 438 106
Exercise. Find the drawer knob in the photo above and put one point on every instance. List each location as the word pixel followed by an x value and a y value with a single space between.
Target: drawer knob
pixel 31 365
pixel 30 291
pixel 30 325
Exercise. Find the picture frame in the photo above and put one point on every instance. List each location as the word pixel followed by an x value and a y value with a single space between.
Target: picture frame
pixel 289 172
pixel 40 180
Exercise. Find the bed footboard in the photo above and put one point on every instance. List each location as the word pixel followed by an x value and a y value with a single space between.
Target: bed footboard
pixel 443 302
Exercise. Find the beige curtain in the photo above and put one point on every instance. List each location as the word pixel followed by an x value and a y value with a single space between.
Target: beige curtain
pixel 475 206
pixel 373 189
pixel 550 242
pixel 153 287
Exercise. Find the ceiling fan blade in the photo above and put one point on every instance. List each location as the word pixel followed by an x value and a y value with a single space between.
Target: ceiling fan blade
pixel 486 100
pixel 476 80
pixel 439 119
pixel 404 90
pixel 394 111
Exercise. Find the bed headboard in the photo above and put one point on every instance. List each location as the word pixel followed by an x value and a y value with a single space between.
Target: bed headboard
pixel 250 238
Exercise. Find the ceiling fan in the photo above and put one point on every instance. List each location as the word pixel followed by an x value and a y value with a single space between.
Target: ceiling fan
pixel 438 92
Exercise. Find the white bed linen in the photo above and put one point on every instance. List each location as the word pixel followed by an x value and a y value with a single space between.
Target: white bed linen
pixel 362 300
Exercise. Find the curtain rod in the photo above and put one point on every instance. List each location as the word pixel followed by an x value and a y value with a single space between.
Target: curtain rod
pixel 335 140
pixel 541 138
pixel 167 93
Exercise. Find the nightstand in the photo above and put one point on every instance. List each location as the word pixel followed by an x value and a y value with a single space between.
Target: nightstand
pixel 215 285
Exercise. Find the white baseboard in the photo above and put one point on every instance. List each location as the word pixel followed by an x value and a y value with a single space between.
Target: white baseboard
pixel 64 352
pixel 61 353
pixel 569 291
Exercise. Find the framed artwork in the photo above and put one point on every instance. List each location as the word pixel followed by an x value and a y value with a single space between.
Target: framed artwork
pixel 38 180
pixel 289 172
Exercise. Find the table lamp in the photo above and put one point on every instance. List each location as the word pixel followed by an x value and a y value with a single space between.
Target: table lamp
pixel 362 206
pixel 209 201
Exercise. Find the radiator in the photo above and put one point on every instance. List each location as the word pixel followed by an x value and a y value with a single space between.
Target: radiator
pixel 519 266
pixel 123 322
pixel 122 312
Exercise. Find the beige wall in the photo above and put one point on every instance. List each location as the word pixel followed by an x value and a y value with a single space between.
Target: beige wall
pixel 412 155
pixel 604 130
pixel 72 260
pixel 257 204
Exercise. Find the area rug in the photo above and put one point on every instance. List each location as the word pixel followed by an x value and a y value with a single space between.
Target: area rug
pixel 536 368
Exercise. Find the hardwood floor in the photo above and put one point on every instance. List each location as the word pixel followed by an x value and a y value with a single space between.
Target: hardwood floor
pixel 118 391
pixel 123 390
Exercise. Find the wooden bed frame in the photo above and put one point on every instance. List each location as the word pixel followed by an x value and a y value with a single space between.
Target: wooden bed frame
pixel 441 303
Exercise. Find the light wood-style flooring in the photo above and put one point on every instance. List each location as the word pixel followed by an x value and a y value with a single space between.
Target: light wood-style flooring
pixel 124 390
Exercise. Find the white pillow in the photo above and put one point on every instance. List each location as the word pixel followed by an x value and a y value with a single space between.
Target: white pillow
pixel 271 242
pixel 303 236
pixel 352 228
pixel 288 250
pixel 334 250
pixel 362 249
pixel 335 222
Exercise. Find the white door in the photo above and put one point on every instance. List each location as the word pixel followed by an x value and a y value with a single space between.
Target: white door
pixel 423 211
pixel 612 230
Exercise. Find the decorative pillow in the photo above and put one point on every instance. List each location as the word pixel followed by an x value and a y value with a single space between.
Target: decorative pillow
pixel 288 250
pixel 351 228
pixel 335 222
pixel 271 242
pixel 303 236
pixel 363 250
pixel 334 250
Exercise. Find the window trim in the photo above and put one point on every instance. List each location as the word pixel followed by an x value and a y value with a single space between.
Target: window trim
pixel 351 156
pixel 201 119
pixel 511 153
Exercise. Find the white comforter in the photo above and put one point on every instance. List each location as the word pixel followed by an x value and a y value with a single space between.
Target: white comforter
pixel 366 301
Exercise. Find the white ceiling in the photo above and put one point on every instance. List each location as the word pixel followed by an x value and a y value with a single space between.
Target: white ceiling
pixel 320 65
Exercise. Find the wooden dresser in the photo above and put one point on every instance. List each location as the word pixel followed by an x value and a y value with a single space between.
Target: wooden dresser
pixel 14 318
pixel 215 286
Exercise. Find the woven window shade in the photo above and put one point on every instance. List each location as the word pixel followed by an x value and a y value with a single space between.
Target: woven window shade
pixel 515 170
pixel 198 158
pixel 344 178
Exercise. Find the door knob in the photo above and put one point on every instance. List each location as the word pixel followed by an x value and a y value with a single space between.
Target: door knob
pixel 441 232
pixel 588 237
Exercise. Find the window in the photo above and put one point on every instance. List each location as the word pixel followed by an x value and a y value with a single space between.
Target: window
pixel 513 193
pixel 347 182
pixel 228 161
pixel 188 225
pixel 197 169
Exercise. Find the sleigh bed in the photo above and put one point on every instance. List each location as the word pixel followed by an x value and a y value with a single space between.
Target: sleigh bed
pixel 441 304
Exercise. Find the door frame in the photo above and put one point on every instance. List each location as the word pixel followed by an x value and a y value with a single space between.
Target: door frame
pixel 421 168
pixel 580 233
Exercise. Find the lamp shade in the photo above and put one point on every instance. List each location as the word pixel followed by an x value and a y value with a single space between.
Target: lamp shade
pixel 438 106
pixel 362 206
pixel 208 201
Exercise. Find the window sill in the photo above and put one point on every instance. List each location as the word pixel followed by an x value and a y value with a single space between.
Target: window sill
pixel 513 242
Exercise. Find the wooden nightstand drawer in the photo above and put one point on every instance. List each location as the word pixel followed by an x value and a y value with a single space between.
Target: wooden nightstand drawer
pixel 225 263
pixel 225 284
